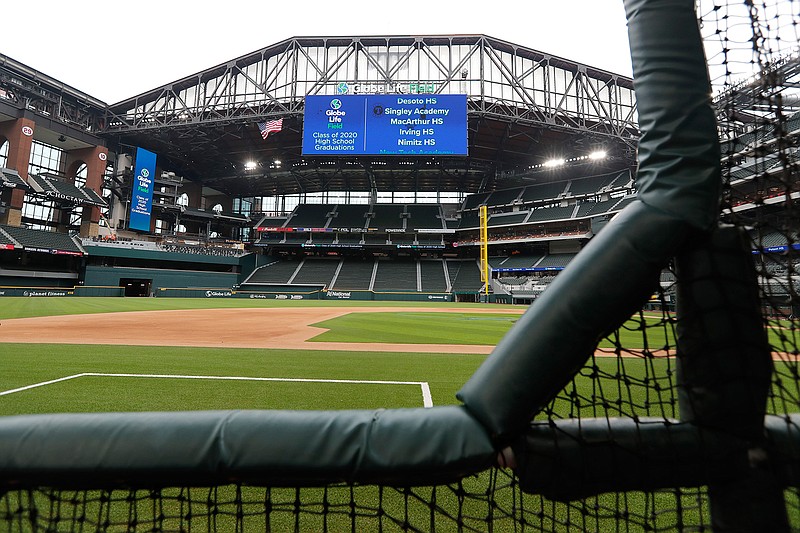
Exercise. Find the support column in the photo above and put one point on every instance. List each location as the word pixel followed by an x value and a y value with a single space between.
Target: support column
pixel 19 134
pixel 95 158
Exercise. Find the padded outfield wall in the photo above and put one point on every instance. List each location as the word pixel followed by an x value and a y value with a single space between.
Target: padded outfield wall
pixel 227 292
pixel 161 278
pixel 297 294
pixel 109 265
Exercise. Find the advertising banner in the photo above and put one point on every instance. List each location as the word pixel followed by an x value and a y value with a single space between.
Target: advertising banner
pixel 142 190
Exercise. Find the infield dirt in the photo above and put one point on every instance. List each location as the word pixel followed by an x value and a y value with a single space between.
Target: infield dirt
pixel 273 328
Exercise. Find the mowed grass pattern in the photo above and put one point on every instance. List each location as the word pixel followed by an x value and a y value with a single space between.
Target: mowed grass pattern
pixel 417 328
pixel 21 307
pixel 26 364
pixel 469 329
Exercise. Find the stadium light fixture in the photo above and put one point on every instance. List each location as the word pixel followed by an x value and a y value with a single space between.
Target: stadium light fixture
pixel 554 163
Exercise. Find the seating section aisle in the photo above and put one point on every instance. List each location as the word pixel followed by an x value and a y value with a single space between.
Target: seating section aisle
pixel 4 239
pixel 556 261
pixel 549 192
pixel 507 219
pixel 271 222
pixel 503 197
pixel 316 271
pixel 545 191
pixel 400 275
pixel 277 272
pixel 516 261
pixel 387 216
pixel 465 276
pixel 475 200
pixel 432 276
pixel 625 201
pixel 45 240
pixel 424 216
pixel 396 275
pixel 355 274
pixel 622 180
pixel 349 216
pixel 582 186
pixel 587 209
pixel 310 216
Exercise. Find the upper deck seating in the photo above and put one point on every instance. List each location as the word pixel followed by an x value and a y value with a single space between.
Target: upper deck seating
pixel 310 216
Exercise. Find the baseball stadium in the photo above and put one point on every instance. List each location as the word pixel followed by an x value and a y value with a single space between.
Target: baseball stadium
pixel 411 283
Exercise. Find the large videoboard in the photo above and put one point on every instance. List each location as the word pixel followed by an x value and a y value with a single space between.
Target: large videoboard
pixel 385 124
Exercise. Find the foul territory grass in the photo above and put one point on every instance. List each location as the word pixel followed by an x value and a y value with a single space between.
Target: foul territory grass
pixel 26 364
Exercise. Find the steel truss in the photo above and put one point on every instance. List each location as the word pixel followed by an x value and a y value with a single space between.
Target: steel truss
pixel 521 102
pixel 25 89
pixel 754 102
pixel 501 79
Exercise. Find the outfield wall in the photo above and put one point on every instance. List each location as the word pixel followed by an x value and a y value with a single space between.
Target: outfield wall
pixel 294 294
pixel 80 290
pixel 111 276
pixel 227 292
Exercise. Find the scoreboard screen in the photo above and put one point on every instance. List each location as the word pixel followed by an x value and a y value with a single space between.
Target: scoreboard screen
pixel 385 124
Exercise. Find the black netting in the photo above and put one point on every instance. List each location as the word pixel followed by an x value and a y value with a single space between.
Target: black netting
pixel 754 66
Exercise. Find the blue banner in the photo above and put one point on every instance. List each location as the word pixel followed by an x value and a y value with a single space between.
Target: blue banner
pixel 385 124
pixel 142 190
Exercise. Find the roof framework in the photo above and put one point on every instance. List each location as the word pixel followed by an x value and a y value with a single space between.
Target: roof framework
pixel 753 102
pixel 524 107
pixel 68 117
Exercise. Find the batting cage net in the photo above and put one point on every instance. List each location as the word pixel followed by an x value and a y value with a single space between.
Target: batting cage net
pixel 672 404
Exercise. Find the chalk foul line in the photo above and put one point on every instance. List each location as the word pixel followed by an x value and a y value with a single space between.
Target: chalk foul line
pixel 427 400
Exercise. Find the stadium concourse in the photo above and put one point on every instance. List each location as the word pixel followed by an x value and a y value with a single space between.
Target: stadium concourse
pixel 246 180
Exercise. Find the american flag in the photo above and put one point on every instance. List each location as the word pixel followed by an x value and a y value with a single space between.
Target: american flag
pixel 268 127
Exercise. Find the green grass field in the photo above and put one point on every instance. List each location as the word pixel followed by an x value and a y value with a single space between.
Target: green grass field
pixel 30 364
pixel 25 365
